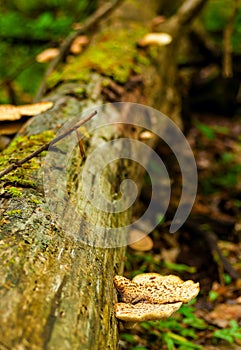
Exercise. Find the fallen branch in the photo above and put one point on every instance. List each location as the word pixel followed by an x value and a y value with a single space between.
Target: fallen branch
pixel 17 164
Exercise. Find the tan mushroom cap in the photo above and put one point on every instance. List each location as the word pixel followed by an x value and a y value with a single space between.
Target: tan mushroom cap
pixel 140 241
pixel 78 44
pixel 151 296
pixel 160 39
pixel 47 55
pixel 156 289
pixel 147 277
pixel 11 112
pixel 144 312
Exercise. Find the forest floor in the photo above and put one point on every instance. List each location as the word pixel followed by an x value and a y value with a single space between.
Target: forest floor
pixel 207 249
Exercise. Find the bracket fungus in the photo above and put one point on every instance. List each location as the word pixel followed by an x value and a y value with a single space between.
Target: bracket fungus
pixel 11 112
pixel 150 296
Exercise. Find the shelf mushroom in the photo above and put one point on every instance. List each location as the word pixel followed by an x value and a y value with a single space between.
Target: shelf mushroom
pixel 151 296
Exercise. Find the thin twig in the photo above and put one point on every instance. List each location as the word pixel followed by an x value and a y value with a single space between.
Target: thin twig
pixel 99 14
pixel 80 143
pixel 17 164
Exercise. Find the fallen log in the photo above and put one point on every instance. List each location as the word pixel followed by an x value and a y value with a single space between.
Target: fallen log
pixel 57 283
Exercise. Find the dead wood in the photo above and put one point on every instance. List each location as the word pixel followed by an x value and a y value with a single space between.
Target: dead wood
pixel 56 290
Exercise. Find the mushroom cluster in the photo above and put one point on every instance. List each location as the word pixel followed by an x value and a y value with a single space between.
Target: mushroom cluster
pixel 151 296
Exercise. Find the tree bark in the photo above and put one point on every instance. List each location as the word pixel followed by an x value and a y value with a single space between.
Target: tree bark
pixel 56 290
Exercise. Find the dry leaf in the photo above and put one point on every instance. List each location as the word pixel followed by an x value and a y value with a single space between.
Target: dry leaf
pixel 47 55
pixel 160 39
pixel 10 112
pixel 223 313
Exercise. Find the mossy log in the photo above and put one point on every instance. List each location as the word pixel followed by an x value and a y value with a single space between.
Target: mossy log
pixel 56 291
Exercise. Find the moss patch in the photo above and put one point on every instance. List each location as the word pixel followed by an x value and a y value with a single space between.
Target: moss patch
pixel 13 191
pixel 24 176
pixel 114 54
pixel 13 212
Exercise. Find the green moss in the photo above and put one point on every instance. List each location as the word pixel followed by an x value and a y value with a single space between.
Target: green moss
pixel 13 191
pixel 54 78
pixel 80 90
pixel 13 212
pixel 23 176
pixel 35 200
pixel 114 55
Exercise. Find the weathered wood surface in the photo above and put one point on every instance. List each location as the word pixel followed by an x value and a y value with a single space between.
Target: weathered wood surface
pixel 56 291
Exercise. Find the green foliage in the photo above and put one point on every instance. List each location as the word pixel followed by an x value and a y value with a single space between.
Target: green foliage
pixel 137 263
pixel 206 130
pixel 215 17
pixel 225 179
pixel 29 27
pixel 217 13
pixel 45 19
pixel 211 131
pixel 229 334
pixel 177 332
pixel 128 337
pixel 227 278
pixel 172 340
pixel 226 168
pixel 213 295
pixel 181 331
pixel 179 267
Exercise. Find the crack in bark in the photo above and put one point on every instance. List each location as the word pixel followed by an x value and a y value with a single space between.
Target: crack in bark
pixel 55 304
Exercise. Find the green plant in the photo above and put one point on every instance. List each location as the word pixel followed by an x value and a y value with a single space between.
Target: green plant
pixel 210 131
pixel 28 28
pixel 213 295
pixel 229 334
pixel 179 267
pixel 177 332
pixel 171 339
pixel 206 130
pixel 216 16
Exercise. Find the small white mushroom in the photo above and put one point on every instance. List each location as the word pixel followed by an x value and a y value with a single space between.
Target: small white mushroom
pixel 160 39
